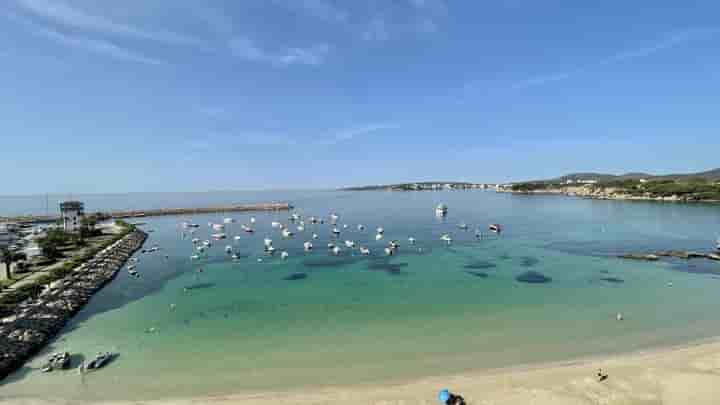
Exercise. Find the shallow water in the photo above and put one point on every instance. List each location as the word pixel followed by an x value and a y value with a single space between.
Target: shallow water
pixel 316 319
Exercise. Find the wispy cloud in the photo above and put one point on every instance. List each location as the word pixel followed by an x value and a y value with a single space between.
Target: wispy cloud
pixel 63 14
pixel 352 133
pixel 668 41
pixel 247 49
pixel 96 46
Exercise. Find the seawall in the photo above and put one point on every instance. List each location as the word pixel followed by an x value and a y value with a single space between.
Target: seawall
pixel 37 320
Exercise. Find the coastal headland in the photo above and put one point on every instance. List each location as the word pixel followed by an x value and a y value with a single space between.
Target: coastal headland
pixel 38 319
pixel 273 206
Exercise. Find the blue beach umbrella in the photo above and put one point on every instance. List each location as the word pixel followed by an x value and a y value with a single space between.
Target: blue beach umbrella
pixel 443 396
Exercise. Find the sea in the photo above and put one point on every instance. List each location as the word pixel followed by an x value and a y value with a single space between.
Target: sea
pixel 548 288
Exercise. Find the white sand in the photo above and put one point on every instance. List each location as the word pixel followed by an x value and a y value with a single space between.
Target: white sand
pixel 689 375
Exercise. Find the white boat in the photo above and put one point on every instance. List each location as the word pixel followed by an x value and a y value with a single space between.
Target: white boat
pixel 189 225
pixel 275 224
pixel 361 227
pixel 315 236
pixel 234 257
pixel 380 230
pixel 345 226
pixel 237 237
pixel 336 250
pixel 349 244
pixel 131 267
pixel 194 257
pixel 218 227
pixel 411 240
pixel 394 245
pixel 378 236
pixel 495 228
pixel 228 220
pixel 286 233
pixel 195 241
pixel 207 243
pixel 284 255
pixel 333 219
pixel 331 246
pixel 389 251
pixel 364 251
pixel 463 226
pixel 218 236
pixel 446 237
pixel 247 229
pixel 307 246
pixel 201 249
pixel 132 272
pixel 313 220
pixel 336 231
pixel 267 242
pixel 300 228
pixel 228 249
pixel 441 209
pixel 269 249
pixel 252 220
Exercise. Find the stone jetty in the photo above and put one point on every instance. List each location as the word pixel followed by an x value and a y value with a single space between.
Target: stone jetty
pixel 36 320
pixel 274 206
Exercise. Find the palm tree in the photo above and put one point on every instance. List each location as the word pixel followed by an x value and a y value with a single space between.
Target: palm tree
pixel 9 257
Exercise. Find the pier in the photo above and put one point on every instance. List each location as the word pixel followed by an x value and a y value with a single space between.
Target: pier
pixel 275 206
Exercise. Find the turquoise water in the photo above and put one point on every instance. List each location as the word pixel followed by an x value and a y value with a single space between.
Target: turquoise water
pixel 242 327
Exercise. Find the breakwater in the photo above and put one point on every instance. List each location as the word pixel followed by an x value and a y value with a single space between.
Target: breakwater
pixel 280 206
pixel 36 320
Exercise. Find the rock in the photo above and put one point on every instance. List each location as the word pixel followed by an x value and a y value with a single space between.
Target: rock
pixel 633 256
pixel 533 277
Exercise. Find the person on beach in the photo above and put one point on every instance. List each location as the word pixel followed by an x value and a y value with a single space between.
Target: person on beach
pixel 601 376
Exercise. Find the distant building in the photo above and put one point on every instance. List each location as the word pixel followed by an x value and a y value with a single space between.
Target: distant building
pixel 71 214
pixel 587 181
pixel 643 181
pixel 569 181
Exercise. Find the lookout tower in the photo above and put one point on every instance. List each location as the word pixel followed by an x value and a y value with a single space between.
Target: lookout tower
pixel 71 214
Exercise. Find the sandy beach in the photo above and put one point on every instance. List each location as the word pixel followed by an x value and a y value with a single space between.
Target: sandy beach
pixel 681 375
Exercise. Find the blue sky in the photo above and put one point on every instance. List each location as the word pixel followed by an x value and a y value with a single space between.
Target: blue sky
pixel 164 95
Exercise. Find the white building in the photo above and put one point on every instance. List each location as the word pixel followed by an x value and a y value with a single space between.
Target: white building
pixel 71 214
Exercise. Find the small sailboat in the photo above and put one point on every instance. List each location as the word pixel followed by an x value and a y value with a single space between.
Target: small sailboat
pixel 286 233
pixel 315 236
pixel 389 252
pixel 331 246
pixel 247 228
pixel 336 250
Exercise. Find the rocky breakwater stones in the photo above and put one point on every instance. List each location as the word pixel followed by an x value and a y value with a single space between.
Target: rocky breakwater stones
pixel 36 320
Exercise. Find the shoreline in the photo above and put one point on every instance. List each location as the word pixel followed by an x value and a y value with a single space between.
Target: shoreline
pixel 678 374
pixel 606 196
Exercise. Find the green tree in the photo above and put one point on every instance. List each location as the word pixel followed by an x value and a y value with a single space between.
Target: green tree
pixel 9 257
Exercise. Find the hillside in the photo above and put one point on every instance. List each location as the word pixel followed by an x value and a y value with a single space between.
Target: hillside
pixel 710 175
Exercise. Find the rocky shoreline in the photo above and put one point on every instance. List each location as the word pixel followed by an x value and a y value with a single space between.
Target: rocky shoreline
pixel 37 320
pixel 603 194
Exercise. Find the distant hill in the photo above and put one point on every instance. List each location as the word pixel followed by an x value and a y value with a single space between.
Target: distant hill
pixel 712 175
